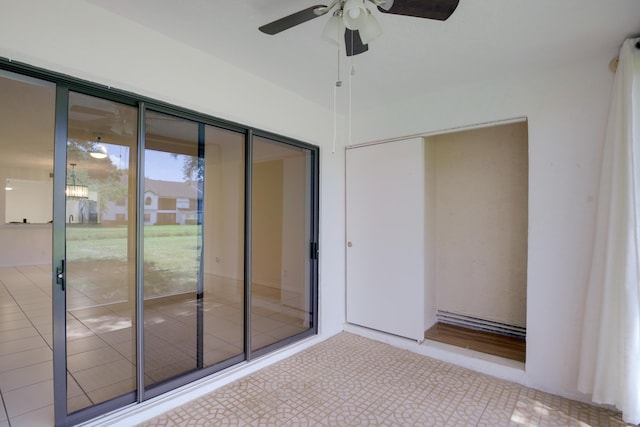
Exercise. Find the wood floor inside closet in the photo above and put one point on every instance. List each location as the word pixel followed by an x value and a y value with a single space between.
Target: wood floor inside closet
pixel 485 342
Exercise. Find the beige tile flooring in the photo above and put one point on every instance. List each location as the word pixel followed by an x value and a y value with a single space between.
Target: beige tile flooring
pixel 26 370
pixel 100 347
pixel 349 380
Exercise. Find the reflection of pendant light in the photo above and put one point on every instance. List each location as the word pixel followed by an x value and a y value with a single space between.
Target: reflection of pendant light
pixel 98 151
pixel 73 190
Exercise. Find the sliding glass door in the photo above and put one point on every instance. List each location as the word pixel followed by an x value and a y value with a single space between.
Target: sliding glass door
pixel 172 247
pixel 223 257
pixel 180 248
pixel 281 234
pixel 192 248
pixel 100 263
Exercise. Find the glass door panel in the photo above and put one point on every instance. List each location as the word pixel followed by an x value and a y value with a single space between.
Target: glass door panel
pixel 281 235
pixel 223 255
pixel 172 247
pixel 27 131
pixel 100 251
pixel 154 259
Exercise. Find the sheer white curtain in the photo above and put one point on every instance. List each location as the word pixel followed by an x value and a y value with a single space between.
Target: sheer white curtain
pixel 610 357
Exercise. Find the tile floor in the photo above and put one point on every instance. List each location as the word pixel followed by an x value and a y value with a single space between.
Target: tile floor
pixel 100 348
pixel 26 370
pixel 349 380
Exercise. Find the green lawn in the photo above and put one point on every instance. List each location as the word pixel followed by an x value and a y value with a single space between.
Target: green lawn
pixel 101 232
pixel 99 253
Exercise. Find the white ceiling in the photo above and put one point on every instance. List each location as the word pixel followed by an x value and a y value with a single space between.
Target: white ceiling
pixel 482 39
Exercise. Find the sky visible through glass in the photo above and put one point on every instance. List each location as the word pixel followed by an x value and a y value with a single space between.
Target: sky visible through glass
pixel 158 164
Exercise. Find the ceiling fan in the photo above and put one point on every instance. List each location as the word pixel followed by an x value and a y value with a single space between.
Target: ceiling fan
pixel 357 23
pixel 103 118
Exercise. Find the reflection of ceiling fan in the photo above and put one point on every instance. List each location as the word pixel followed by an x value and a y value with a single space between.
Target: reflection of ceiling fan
pixel 103 119
pixel 355 21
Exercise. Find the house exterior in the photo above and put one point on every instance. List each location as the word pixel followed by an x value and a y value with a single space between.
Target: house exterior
pixel 165 203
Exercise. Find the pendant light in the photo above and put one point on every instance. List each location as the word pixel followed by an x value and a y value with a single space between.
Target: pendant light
pixel 73 190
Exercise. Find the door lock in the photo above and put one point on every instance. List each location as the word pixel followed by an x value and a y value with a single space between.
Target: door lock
pixel 60 275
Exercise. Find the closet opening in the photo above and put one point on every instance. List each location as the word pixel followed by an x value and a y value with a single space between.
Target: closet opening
pixel 476 228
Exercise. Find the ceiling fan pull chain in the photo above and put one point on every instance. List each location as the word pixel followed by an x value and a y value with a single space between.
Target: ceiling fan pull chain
pixel 335 118
pixel 335 105
pixel 351 74
pixel 338 82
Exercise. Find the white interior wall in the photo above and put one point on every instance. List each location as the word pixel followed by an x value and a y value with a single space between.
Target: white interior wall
pixel 567 110
pixel 33 177
pixel 29 201
pixel 87 42
pixel 224 204
pixel 295 236
pixel 17 242
pixel 267 224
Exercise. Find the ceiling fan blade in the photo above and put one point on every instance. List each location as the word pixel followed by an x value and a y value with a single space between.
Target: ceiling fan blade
pixel 353 43
pixel 292 20
pixel 94 111
pixel 430 9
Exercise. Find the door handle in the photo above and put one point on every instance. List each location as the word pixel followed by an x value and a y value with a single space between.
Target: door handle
pixel 60 275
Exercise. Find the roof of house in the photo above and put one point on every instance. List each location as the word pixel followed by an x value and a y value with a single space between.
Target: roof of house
pixel 171 189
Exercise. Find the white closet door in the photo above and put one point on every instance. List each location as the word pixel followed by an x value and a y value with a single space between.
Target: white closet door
pixel 385 237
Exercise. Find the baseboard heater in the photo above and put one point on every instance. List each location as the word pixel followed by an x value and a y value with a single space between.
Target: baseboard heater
pixel 481 324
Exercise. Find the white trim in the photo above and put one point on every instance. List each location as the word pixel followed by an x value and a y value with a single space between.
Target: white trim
pixel 442 131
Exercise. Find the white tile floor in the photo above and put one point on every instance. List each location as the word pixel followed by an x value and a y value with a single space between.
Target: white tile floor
pixel 100 340
pixel 26 374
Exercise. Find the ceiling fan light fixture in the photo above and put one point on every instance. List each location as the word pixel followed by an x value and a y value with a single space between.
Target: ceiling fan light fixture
pixel 98 151
pixel 360 27
pixel 386 4
pixel 334 29
pixel 371 29
pixel 354 14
